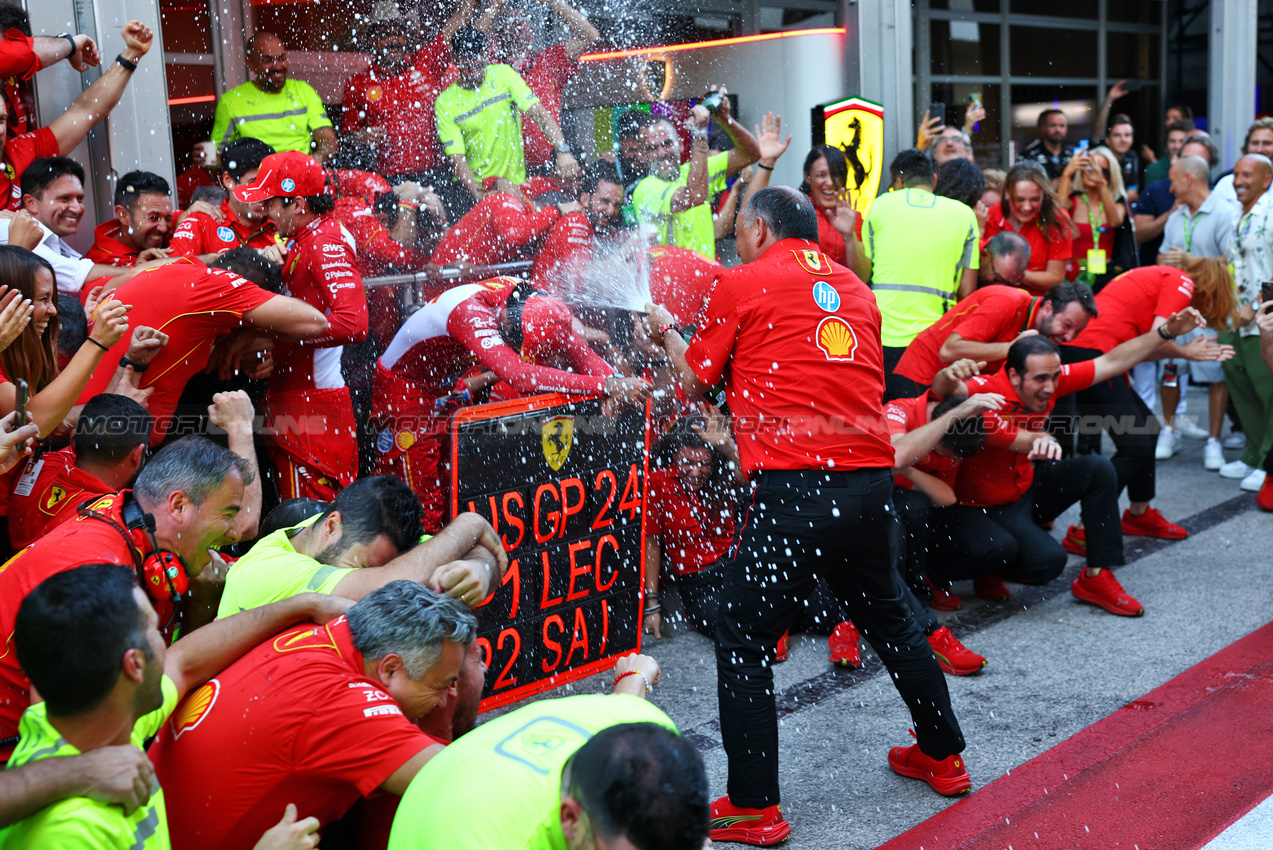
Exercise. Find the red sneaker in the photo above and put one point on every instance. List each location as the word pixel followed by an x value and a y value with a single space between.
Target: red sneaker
pixel 1075 541
pixel 1152 524
pixel 947 777
pixel 761 827
pixel 784 647
pixel 1104 590
pixel 940 598
pixel 843 644
pixel 1264 498
pixel 990 586
pixel 952 656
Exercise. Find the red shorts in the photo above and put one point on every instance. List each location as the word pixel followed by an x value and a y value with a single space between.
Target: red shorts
pixel 315 449
pixel 412 442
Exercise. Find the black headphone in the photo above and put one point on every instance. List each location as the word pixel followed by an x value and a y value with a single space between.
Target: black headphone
pixel 514 306
pixel 162 573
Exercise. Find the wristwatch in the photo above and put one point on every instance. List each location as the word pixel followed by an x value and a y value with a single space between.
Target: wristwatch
pixel 562 148
pixel 70 38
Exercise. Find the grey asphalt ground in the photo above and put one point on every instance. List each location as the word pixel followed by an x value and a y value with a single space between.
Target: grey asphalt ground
pixel 1055 666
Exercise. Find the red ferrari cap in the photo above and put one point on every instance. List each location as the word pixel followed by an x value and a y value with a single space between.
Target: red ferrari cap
pixel 546 326
pixel 288 174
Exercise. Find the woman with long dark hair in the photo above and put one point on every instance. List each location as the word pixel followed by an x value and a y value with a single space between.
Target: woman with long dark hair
pixel 1032 209
pixel 839 225
pixel 32 355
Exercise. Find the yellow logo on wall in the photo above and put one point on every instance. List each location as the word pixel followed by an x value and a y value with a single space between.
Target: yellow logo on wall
pixel 856 126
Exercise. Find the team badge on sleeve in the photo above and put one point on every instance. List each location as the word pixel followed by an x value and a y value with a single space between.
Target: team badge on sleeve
pixel 814 262
pixel 836 338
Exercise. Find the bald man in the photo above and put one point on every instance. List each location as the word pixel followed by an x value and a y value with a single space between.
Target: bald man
pixel 287 115
pixel 1251 257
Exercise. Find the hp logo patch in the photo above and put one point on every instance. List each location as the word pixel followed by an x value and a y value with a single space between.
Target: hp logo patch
pixel 825 296
pixel 288 184
pixel 225 234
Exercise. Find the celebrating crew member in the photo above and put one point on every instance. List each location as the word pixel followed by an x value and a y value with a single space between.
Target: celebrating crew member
pixel 984 325
pixel 1131 304
pixel 801 334
pixel 91 642
pixel 1002 493
pixel 315 715
pixel 188 498
pixel 205 231
pixel 619 774
pixel 106 452
pixel 570 244
pixel 196 306
pixel 143 207
pixel 508 330
pixel 501 226
pixel 315 448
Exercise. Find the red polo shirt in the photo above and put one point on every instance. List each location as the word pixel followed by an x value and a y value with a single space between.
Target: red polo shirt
pixel 496 230
pixel 82 540
pixel 294 720
pixel 109 250
pixel 1127 305
pixel 693 534
pixel 46 494
pixel 680 279
pixel 19 152
pixel 997 475
pixel 200 234
pixel 799 337
pixel 1042 249
pixel 906 414
pixel 567 248
pixel 990 314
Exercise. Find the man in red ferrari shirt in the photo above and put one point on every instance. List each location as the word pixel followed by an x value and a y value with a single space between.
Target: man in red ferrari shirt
pixel 1001 493
pixel 315 437
pixel 187 499
pixel 1131 304
pixel 143 210
pixel 982 326
pixel 106 451
pixel 571 242
pixel 423 371
pixel 197 306
pixel 319 716
pixel 796 338
pixel 500 227
pixel 546 72
pixel 390 105
pixel 66 131
pixel 205 231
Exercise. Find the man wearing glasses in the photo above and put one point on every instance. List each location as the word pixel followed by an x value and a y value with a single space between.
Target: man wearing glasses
pixel 984 325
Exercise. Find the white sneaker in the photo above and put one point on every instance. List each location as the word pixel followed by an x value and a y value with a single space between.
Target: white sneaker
pixel 1168 442
pixel 1235 469
pixel 1254 481
pixel 1235 441
pixel 1212 455
pixel 1187 427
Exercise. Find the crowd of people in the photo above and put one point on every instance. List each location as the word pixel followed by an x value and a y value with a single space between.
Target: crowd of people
pixel 227 459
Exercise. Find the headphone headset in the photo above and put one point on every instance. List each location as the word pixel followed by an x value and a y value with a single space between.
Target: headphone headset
pixel 162 573
pixel 514 306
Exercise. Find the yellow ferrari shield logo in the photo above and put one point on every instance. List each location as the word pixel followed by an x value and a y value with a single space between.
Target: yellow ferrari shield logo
pixel 856 126
pixel 558 437
pixel 813 262
pixel 54 495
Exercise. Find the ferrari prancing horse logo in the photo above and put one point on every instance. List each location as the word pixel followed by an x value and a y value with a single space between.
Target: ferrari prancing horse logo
pixel 558 436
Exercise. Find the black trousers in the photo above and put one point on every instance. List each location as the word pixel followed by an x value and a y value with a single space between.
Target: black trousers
pixel 1114 407
pixel 801 525
pixel 916 512
pixel 898 386
pixel 1007 539
pixel 700 592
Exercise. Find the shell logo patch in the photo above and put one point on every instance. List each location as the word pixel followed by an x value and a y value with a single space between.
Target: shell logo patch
pixel 225 234
pixel 288 184
pixel 836 339
pixel 825 296
pixel 814 262
pixel 194 708
pixel 375 93
pixel 404 440
pixel 558 436
pixel 384 441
